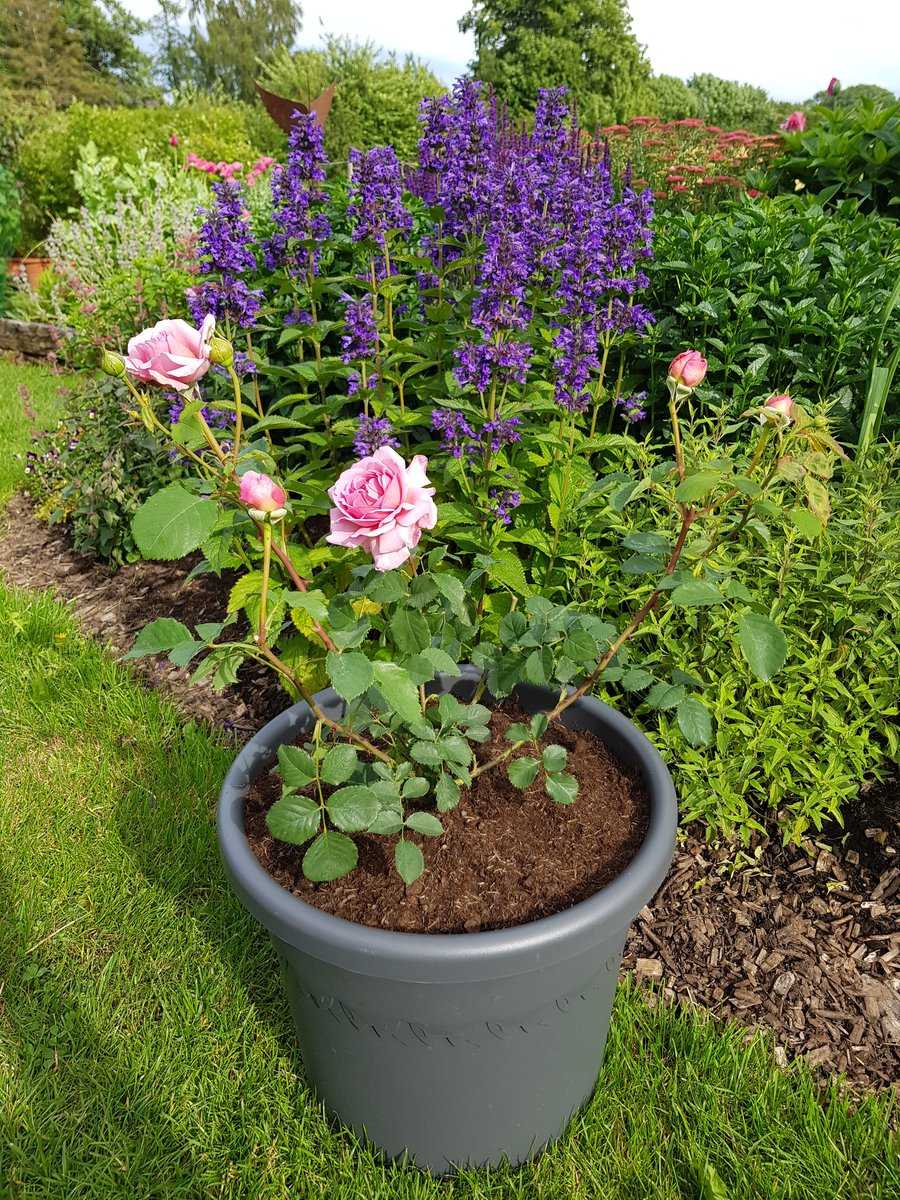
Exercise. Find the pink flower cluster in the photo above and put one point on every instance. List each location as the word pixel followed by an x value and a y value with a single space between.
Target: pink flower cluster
pixel 226 170
pixel 795 122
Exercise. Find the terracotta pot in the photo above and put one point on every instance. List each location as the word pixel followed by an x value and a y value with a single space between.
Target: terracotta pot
pixel 453 1048
pixel 33 268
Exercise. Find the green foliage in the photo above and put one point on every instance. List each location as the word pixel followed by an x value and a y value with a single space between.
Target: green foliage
pixel 669 98
pixel 49 153
pixel 846 97
pixel 798 746
pixel 852 151
pixel 93 471
pixel 734 105
pixel 377 97
pixel 585 45
pixel 813 296
pixel 10 225
pixel 73 50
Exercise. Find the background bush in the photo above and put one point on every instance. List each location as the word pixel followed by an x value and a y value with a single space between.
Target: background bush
pixel 783 294
pixel 92 472
pixel 851 151
pixel 734 105
pixel 377 97
pixel 9 227
pixel 211 128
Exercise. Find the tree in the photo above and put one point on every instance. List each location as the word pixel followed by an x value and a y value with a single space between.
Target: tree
pixel 586 45
pixel 176 62
pixel 236 34
pixel 377 96
pixel 73 50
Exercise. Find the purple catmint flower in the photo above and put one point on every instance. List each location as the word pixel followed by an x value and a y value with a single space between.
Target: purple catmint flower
pixel 225 253
pixel 496 434
pixel 297 200
pixel 360 339
pixel 632 407
pixel 355 382
pixel 216 418
pixel 376 194
pixel 503 501
pixel 229 299
pixel 297 316
pixel 457 435
pixel 371 434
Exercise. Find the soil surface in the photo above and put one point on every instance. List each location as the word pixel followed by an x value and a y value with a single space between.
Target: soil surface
pixel 506 857
pixel 803 940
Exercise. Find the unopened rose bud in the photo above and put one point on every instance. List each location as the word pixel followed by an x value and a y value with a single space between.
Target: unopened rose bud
pixel 221 352
pixel 112 364
pixel 688 369
pixel 263 497
pixel 778 408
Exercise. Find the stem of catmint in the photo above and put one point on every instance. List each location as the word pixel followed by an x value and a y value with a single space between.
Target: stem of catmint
pixel 238 415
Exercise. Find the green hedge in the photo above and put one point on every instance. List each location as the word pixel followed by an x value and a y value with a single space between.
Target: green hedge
pixel 49 152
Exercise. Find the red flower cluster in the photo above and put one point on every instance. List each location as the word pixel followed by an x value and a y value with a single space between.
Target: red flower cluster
pixel 688 161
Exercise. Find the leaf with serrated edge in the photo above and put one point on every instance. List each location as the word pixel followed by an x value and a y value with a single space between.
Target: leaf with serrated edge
pixel 522 772
pixel 409 861
pixel 353 808
pixel 425 823
pixel 329 857
pixel 562 789
pixel 295 766
pixel 294 819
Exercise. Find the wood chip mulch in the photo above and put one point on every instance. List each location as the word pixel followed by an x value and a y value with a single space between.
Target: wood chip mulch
pixel 804 941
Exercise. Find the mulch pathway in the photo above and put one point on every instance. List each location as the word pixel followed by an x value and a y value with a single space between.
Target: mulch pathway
pixel 802 940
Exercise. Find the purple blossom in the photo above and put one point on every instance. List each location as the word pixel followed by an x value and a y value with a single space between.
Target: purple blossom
pixel 632 407
pixel 504 501
pixel 355 382
pixel 297 316
pixel 296 200
pixel 376 194
pixel 230 299
pixel 360 339
pixel 225 253
pixel 457 435
pixel 371 434
pixel 499 433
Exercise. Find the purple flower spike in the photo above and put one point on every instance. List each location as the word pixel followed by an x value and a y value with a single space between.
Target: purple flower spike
pixel 376 194
pixel 371 434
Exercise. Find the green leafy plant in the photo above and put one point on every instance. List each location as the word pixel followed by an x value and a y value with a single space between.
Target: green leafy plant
pixel 10 223
pixel 813 306
pixel 94 470
pixel 845 152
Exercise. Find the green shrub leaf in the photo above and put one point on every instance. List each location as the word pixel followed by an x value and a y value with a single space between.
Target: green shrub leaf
pixel 350 673
pixel 294 819
pixel 522 772
pixel 409 861
pixel 694 721
pixel 173 522
pixel 762 643
pixel 329 857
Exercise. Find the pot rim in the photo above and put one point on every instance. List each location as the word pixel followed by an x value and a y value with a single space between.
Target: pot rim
pixel 433 957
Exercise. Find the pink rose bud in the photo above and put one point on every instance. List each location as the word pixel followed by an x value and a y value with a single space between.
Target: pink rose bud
pixel 833 84
pixel 262 496
pixel 778 408
pixel 795 122
pixel 172 354
pixel 688 368
pixel 173 139
pixel 382 505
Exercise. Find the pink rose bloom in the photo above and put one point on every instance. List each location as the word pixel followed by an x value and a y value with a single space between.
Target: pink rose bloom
pixel 795 122
pixel 172 353
pixel 780 408
pixel 262 495
pixel 382 505
pixel 688 368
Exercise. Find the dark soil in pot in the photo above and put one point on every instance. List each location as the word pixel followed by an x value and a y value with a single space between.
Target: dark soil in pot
pixel 507 857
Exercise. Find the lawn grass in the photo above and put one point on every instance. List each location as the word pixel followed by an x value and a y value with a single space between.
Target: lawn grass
pixel 146 1051
pixel 42 398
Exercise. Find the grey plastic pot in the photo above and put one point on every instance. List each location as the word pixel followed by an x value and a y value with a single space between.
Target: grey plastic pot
pixel 457 1049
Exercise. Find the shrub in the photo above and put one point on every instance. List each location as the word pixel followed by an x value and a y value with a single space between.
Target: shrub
pixel 846 97
pixel 669 98
pixel 126 254
pixel 786 295
pixel 734 105
pixel 846 152
pixel 10 225
pixel 377 97
pixel 95 469
pixel 48 155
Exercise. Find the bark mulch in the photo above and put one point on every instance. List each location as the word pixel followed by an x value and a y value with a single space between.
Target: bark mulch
pixel 803 940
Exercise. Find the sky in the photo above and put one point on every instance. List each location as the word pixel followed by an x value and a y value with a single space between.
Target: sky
pixel 789 47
